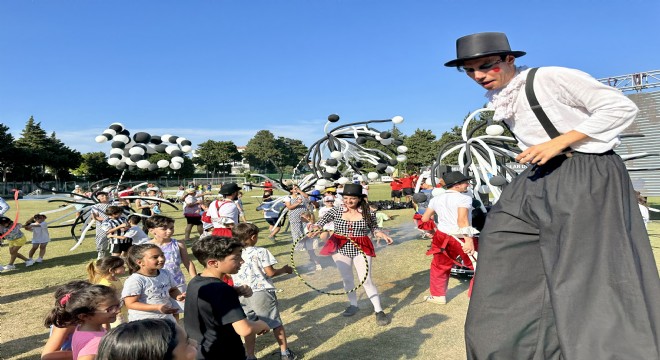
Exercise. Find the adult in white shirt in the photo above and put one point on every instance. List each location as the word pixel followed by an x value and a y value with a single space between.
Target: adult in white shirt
pixel 454 219
pixel 565 266
pixel 224 213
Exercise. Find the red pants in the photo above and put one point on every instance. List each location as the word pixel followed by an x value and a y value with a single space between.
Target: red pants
pixel 441 267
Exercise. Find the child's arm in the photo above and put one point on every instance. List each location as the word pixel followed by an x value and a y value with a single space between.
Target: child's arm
pixel 272 272
pixel 176 294
pixel 58 336
pixel 246 327
pixel 132 303
pixel 185 260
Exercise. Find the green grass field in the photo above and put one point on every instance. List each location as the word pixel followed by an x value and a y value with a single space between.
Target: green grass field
pixel 419 330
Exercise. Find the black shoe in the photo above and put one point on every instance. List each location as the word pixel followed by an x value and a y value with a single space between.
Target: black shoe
pixel 290 356
pixel 382 319
pixel 350 310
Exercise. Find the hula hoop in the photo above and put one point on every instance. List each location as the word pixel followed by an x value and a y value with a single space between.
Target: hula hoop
pixel 366 263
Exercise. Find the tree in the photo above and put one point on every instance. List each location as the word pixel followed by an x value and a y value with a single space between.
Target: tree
pixel 422 149
pixel 33 153
pixel 261 149
pixel 61 158
pixel 216 156
pixel 95 166
pixel 7 151
pixel 291 151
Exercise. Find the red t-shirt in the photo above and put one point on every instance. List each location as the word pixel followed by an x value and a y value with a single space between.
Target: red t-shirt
pixel 396 185
pixel 406 182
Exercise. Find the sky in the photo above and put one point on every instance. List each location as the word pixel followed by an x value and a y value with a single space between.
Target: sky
pixel 223 70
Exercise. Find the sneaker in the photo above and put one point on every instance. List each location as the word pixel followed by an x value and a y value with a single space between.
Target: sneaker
pixel 9 267
pixel 39 260
pixel 319 267
pixel 290 355
pixel 271 238
pixel 29 262
pixel 382 319
pixel 350 311
pixel 436 299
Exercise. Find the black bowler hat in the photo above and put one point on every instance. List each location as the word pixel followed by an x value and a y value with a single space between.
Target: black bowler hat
pixel 481 45
pixel 454 177
pixel 352 190
pixel 228 189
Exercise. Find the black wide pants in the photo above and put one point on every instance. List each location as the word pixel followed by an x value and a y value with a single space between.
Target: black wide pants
pixel 565 268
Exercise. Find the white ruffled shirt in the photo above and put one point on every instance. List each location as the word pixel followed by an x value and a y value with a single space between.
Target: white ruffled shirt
pixel 573 100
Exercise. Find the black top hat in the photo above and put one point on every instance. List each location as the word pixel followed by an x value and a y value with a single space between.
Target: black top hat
pixel 454 177
pixel 480 45
pixel 352 190
pixel 228 189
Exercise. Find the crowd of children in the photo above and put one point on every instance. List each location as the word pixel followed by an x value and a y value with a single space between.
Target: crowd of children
pixel 225 306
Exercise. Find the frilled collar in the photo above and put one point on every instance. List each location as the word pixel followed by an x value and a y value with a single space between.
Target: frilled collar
pixel 502 101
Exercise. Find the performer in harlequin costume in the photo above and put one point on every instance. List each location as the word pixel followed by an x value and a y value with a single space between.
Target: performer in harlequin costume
pixel 454 214
pixel 350 220
pixel 565 269
pixel 223 214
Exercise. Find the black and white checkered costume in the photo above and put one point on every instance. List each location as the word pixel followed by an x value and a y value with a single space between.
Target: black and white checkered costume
pixel 348 228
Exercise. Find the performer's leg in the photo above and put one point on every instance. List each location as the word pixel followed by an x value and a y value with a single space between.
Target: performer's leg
pixel 597 255
pixel 439 274
pixel 369 286
pixel 345 267
pixel 509 300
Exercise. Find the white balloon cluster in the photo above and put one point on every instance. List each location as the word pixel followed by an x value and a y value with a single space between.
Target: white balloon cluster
pixel 127 151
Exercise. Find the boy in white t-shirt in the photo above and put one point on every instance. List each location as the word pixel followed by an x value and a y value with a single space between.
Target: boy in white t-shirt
pixel 135 231
pixel 256 272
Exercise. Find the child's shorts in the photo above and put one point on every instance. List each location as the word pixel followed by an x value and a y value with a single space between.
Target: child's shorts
pixel 119 248
pixel 18 242
pixel 262 305
pixel 271 221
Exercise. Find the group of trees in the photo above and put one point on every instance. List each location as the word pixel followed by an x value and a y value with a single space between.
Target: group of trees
pixel 36 156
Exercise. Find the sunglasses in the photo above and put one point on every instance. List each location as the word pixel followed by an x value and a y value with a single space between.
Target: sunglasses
pixel 484 67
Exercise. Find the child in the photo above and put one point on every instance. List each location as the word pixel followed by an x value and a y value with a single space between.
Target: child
pixel 239 205
pixel 135 232
pixel 309 243
pixel 257 272
pixel 40 237
pixel 161 228
pixel 58 346
pixel 88 309
pixel 98 214
pixel 104 272
pixel 147 292
pixel 206 225
pixel 213 315
pixel 328 228
pixel 148 339
pixel 15 239
pixel 155 208
pixel 115 226
pixel 271 211
pixel 380 218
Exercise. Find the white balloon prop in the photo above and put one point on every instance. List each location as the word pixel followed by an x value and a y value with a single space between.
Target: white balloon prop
pixel 134 151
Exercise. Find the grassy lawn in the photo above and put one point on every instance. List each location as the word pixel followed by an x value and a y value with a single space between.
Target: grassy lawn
pixel 312 321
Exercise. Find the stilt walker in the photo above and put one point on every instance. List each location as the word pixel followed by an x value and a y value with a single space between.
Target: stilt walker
pixel 566 269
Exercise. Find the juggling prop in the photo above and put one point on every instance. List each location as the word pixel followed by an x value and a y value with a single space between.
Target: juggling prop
pixel 344 151
pixel 129 152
